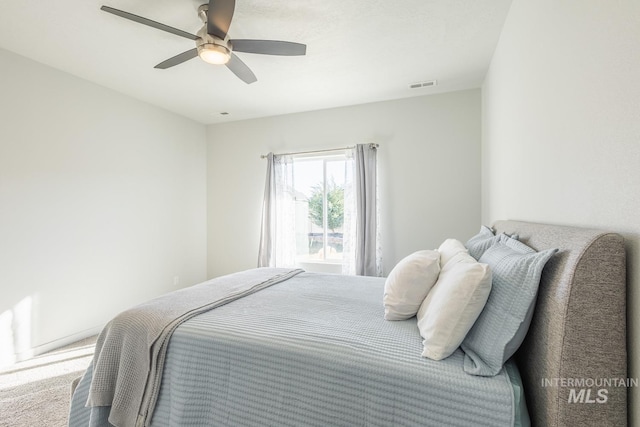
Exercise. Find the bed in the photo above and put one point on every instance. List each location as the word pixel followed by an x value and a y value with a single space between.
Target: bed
pixel 299 348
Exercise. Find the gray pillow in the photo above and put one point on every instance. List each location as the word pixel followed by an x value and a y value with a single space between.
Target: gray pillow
pixel 481 242
pixel 505 319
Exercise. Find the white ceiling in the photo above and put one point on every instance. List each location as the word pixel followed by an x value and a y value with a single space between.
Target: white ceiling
pixel 358 51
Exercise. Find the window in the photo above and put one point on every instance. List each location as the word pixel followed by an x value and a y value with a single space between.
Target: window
pixel 320 211
pixel 319 194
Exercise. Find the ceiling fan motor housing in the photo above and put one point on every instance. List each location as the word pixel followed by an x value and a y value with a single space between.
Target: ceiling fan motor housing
pixel 207 41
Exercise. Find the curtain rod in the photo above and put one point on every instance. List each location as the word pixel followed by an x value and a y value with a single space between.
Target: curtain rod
pixel 264 156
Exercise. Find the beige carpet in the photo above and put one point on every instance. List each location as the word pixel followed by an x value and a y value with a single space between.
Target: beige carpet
pixel 36 392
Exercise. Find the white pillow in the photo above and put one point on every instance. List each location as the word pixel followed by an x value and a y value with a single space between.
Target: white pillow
pixel 448 249
pixel 408 284
pixel 453 305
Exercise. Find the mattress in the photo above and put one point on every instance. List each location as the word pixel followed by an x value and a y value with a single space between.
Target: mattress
pixel 314 350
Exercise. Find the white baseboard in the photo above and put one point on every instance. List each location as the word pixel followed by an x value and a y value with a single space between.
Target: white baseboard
pixel 55 344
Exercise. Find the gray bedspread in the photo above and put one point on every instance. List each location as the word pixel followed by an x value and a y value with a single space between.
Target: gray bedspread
pixel 313 350
pixel 130 351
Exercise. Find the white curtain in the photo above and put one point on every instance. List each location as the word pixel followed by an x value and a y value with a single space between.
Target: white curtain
pixel 361 236
pixel 277 238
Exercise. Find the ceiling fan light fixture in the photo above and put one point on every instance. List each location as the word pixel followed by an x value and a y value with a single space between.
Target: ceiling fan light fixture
pixel 214 53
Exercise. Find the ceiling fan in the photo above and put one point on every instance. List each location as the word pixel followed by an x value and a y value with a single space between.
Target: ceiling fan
pixel 212 41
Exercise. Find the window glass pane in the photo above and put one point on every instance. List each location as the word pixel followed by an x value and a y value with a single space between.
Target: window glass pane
pixel 319 194
pixel 335 175
pixel 308 181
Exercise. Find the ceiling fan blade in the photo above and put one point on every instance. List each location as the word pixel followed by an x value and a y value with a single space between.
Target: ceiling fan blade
pixel 219 17
pixel 149 22
pixel 178 59
pixel 269 47
pixel 241 70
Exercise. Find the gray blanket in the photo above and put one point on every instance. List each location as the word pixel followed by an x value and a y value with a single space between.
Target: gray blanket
pixel 130 351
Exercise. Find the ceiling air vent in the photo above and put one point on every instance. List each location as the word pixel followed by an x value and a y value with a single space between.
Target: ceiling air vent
pixel 423 84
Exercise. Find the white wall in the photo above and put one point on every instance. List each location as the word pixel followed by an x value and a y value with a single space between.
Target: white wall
pixel 429 171
pixel 102 204
pixel 561 127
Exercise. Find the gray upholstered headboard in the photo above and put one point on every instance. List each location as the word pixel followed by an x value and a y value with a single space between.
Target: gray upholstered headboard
pixel 577 339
